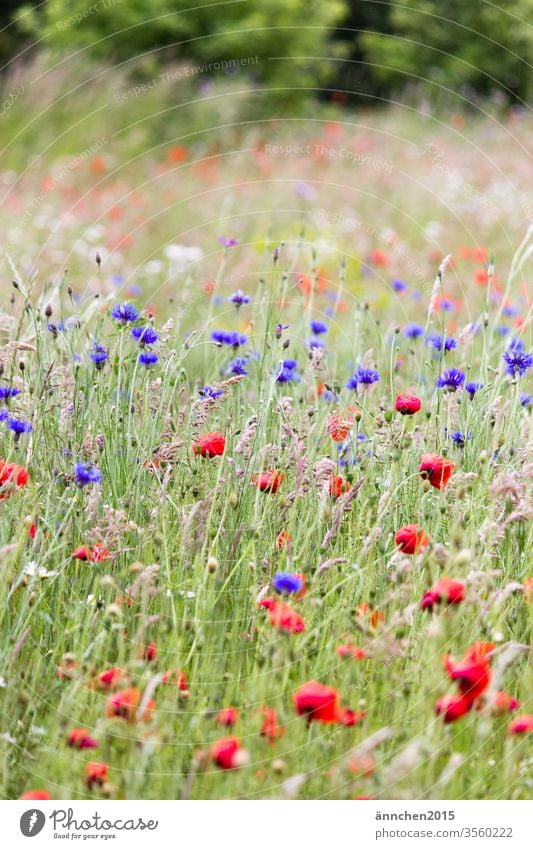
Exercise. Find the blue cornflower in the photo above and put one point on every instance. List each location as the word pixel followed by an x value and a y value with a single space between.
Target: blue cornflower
pixel 211 392
pixel 363 376
pixel 18 426
pixel 228 243
pixel 57 328
pixel 439 342
pixel 98 355
pixel 515 345
pixel 8 392
pixel 446 305
pixel 145 335
pixel 459 438
pixel 280 328
pixel 224 337
pixel 399 285
pixel 237 366
pixel 315 343
pixel 472 388
pixel 501 330
pixel 330 395
pixel 125 313
pixel 288 372
pixel 509 311
pixel 525 400
pixel 85 474
pixel 413 331
pixel 318 327
pixel 148 358
pixel 451 379
pixel 517 361
pixel 286 582
pixel 239 298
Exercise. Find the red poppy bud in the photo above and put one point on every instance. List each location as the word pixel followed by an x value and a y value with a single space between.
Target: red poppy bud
pixel 150 652
pixel 411 539
pixel 283 540
pixel 210 444
pixel 408 405
pixel 437 470
pixel 269 727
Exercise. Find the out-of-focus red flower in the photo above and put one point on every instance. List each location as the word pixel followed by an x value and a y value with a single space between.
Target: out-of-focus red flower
pixel 94 555
pixel 528 589
pixel 351 651
pixel 337 485
pixel 210 444
pixel 80 738
pixel 227 753
pixel 452 707
pixel 473 676
pixel 479 651
pixel 67 670
pixel 408 405
pixel 150 652
pixel 110 677
pixel 379 258
pixel 522 724
pixel 283 540
pixel 269 727
pixel 95 773
pixel 125 703
pixel 500 703
pixel 317 702
pixel 350 717
pixel 227 716
pixel 12 476
pixel 283 616
pixel 178 153
pixel 33 530
pixel 363 766
pixel 339 428
pixel 437 470
pixel 411 539
pixel 364 611
pixel 269 481
pixel 36 795
pixel 480 254
pixel 446 590
pixel 179 677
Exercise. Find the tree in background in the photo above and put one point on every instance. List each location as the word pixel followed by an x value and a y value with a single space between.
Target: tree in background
pixel 472 48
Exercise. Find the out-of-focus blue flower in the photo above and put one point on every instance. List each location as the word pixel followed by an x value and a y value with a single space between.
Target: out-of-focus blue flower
pixel 286 582
pixel 84 475
pixel 439 342
pixel 239 298
pixel 227 242
pixel 18 426
pixel 99 355
pixel 280 328
pixel 146 335
pixel 362 377
pixel 8 392
pixel 318 327
pixel 451 379
pixel 399 285
pixel 148 358
pixel 413 331
pixel 501 330
pixel 232 338
pixel 525 400
pixel 125 313
pixel 315 343
pixel 472 388
pixel 237 366
pixel 211 392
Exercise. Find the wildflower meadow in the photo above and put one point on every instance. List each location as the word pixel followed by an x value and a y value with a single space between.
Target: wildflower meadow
pixel 266 467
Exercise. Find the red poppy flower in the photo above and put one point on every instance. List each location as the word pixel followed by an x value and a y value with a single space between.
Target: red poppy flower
pixel 79 738
pixel 124 704
pixel 528 589
pixel 411 539
pixel 337 485
pixel 521 725
pixel 269 727
pixel 95 773
pixel 473 676
pixel 33 530
pixel 11 476
pixel 362 765
pixel 408 405
pixel 96 555
pixel 379 258
pixel 351 651
pixel 227 716
pixel 179 677
pixel 479 651
pixel 446 590
pixel 150 652
pixel 268 481
pixel 228 753
pixel 452 707
pixel 110 677
pixel 317 702
pixel 36 795
pixel 210 444
pixel 283 616
pixel 349 717
pixel 283 540
pixel 374 616
pixel 437 470
pixel 500 703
